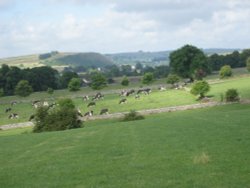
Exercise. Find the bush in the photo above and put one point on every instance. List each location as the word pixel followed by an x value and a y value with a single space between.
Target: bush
pixel 63 117
pixel 148 78
pixel 226 71
pixel 248 64
pixel 74 84
pixel 98 81
pixel 200 88
pixel 23 88
pixel 125 81
pixel 132 116
pixel 232 95
pixel 172 79
pixel 50 90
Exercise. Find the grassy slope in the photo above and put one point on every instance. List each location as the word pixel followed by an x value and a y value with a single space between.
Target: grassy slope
pixel 159 151
pixel 154 100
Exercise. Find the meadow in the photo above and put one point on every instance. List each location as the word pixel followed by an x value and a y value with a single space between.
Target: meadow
pixel 195 148
pixel 156 99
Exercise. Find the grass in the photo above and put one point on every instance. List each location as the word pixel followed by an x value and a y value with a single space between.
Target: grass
pixel 196 148
pixel 156 99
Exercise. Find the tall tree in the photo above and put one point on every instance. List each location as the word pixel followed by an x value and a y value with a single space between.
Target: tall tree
pixel 23 88
pixel 98 81
pixel 188 59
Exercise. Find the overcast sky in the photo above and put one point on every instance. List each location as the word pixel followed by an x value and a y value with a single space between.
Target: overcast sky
pixel 108 26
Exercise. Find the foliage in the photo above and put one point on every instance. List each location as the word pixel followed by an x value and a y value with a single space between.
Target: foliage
pixel 66 77
pixel 50 90
pixel 248 64
pixel 200 88
pixel 188 59
pixel 232 95
pixel 172 79
pixel 1 92
pixel 74 84
pixel 61 118
pixel 225 71
pixel 125 81
pixel 148 78
pixel 132 116
pixel 23 88
pixel 98 81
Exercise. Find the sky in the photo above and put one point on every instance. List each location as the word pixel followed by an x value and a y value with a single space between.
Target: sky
pixel 111 26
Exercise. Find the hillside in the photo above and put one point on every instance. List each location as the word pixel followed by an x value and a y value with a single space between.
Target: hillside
pixel 90 59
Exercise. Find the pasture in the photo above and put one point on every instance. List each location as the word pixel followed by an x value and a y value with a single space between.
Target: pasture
pixel 196 148
pixel 156 99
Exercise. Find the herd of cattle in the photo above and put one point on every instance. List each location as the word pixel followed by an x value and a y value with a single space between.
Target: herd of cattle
pixel 92 102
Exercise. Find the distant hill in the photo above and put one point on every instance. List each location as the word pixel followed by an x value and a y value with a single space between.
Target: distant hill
pixel 156 58
pixel 91 59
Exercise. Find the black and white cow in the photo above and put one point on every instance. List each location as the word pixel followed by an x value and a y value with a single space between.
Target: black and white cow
pixel 89 114
pixel 85 98
pixel 146 91
pixel 137 96
pixel 7 110
pixel 98 96
pixel 122 101
pixel 13 116
pixel 13 103
pixel 161 88
pixel 104 111
pixel 79 113
pixel 32 117
pixel 91 104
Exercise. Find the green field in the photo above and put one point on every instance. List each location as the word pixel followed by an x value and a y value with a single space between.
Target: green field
pixel 156 99
pixel 196 148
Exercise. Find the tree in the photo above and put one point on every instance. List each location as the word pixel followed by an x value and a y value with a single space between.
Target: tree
pixel 23 88
pixel 125 81
pixel 74 84
pixel 225 71
pixel 200 88
pixel 172 79
pixel 66 77
pixel 248 64
pixel 63 117
pixel 98 81
pixel 148 78
pixel 186 60
pixel 232 95
pixel 1 92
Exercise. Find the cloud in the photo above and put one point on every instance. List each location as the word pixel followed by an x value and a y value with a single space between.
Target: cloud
pixel 117 25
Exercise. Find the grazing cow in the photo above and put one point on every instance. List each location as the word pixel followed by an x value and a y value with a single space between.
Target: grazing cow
pixel 130 92
pixel 45 103
pixel 79 113
pixel 13 116
pixel 13 103
pixel 122 101
pixel 85 98
pixel 36 104
pixel 90 113
pixel 104 111
pixel 91 104
pixel 97 96
pixel 32 117
pixel 7 110
pixel 137 96
pixel 161 88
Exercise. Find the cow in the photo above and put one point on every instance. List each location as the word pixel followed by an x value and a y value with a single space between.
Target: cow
pixel 7 110
pixel 146 91
pixel 79 113
pixel 13 103
pixel 32 117
pixel 122 101
pixel 104 111
pixel 90 113
pixel 97 96
pixel 161 88
pixel 13 116
pixel 91 104
pixel 130 92
pixel 137 96
pixel 36 104
pixel 85 98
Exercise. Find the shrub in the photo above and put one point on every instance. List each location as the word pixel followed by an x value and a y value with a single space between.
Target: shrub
pixel 232 95
pixel 98 81
pixel 172 79
pixel 125 81
pixel 225 71
pixel 248 64
pixel 63 117
pixel 200 88
pixel 50 90
pixel 74 84
pixel 23 88
pixel 132 116
pixel 148 78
